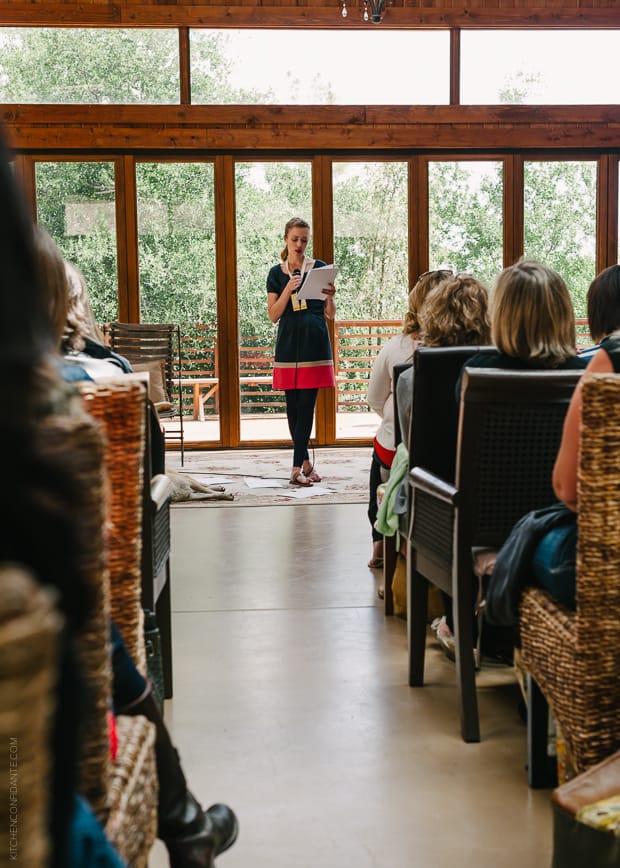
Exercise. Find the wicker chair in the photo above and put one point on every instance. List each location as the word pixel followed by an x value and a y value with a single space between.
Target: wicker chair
pixel 573 657
pixel 29 628
pixel 120 410
pixel 509 430
pixel 122 793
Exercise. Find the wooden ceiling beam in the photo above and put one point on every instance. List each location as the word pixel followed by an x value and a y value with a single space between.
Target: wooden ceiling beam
pixel 430 137
pixel 275 129
pixel 289 116
pixel 321 15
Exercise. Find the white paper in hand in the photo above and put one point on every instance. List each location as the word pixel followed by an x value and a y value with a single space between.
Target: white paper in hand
pixel 317 279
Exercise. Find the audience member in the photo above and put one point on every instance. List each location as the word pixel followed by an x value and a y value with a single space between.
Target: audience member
pixel 533 327
pixel 398 350
pixel 533 321
pixel 455 314
pixel 193 836
pixel 36 529
pixel 555 555
pixel 83 354
pixel 83 342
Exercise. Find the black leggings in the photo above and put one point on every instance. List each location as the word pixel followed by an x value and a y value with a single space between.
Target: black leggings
pixel 300 412
pixel 378 474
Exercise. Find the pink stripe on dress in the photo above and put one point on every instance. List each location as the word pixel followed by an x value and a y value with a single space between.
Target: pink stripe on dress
pixel 305 375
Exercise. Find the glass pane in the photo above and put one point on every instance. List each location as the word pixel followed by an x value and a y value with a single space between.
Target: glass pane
pixel 176 250
pixel 370 243
pixel 465 217
pixel 320 67
pixel 560 222
pixel 540 66
pixel 267 196
pixel 76 204
pixel 93 65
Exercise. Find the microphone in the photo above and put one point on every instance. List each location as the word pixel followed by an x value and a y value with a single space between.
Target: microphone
pixel 296 272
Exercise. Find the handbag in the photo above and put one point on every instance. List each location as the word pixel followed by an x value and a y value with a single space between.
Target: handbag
pixel 513 568
pixel 154 659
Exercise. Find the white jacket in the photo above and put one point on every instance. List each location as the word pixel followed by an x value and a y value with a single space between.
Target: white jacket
pixel 398 350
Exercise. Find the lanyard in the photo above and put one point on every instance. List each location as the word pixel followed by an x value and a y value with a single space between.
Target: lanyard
pixel 298 305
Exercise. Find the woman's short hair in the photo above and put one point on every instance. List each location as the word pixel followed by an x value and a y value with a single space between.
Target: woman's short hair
pixel 291 224
pixel 456 313
pixel 604 303
pixel 532 314
pixel 425 283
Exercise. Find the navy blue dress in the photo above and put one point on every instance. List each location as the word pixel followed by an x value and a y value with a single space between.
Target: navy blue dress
pixel 303 357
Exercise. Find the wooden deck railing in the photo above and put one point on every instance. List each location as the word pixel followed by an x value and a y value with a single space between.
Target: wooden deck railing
pixel 356 346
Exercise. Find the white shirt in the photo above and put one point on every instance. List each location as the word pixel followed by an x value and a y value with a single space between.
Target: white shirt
pixel 398 350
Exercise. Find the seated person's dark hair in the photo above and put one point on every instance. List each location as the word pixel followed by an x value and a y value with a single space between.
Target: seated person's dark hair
pixel 604 303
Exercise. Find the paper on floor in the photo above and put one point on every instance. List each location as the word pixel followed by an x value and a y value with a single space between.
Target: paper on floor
pixel 256 482
pixel 310 491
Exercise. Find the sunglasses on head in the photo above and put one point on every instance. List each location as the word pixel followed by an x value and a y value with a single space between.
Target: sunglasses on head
pixel 443 271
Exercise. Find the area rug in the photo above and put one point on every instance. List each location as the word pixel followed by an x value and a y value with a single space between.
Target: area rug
pixel 344 473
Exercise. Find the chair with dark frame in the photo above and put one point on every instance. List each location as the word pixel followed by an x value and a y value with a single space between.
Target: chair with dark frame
pixel 431 436
pixel 510 426
pixel 157 499
pixel 156 348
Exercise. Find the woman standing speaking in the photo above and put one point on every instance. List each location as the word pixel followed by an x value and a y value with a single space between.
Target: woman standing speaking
pixel 303 358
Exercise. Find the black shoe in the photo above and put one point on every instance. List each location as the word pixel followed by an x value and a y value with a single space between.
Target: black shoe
pixel 198 850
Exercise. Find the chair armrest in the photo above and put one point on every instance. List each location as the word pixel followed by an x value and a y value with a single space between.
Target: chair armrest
pixel 433 485
pixel 431 527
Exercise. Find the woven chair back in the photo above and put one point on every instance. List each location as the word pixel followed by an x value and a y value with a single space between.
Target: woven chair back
pixel 598 566
pixel 120 409
pixel 510 427
pixel 29 630
pixel 76 443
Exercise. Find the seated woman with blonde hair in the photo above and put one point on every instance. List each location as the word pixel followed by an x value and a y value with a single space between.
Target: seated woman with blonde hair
pixel 533 329
pixel 533 321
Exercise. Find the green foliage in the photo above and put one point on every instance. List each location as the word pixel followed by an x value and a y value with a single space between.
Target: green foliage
pixel 73 65
pixel 370 220
pixel 267 196
pixel 465 217
pixel 176 243
pixel 63 185
pixel 560 222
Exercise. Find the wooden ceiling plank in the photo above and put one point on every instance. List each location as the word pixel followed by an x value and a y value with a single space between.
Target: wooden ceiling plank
pixel 275 14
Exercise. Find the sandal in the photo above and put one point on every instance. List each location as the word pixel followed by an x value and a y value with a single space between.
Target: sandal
pixel 311 474
pixel 376 564
pixel 300 479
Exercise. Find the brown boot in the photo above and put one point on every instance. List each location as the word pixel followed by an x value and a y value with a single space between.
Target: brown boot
pixel 194 837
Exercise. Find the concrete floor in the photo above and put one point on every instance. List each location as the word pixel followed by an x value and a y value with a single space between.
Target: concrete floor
pixel 291 704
